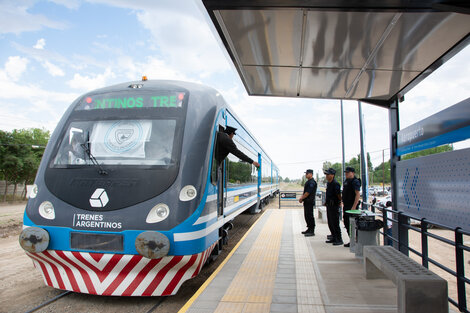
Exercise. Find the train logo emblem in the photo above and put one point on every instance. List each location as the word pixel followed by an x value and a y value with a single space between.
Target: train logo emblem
pixel 99 198
pixel 123 136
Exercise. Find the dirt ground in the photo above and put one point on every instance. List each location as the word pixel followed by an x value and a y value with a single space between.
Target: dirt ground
pixel 11 217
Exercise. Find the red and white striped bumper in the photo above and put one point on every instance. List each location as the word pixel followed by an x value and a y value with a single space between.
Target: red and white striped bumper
pixel 117 274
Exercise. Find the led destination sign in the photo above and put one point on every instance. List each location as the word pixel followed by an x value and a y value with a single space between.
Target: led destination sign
pixel 131 101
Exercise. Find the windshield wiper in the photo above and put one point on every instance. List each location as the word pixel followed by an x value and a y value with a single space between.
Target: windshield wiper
pixel 93 159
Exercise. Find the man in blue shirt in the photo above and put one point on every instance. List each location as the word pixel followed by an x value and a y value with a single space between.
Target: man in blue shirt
pixel 308 199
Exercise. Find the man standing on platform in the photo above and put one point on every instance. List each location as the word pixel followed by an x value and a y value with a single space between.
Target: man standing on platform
pixel 351 195
pixel 332 203
pixel 308 198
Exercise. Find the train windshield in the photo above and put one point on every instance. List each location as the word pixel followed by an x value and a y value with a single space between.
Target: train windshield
pixel 118 142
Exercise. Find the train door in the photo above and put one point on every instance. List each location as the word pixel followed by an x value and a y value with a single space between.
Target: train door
pixel 218 180
pixel 221 185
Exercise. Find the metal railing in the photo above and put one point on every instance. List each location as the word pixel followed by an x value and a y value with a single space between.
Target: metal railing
pixel 403 221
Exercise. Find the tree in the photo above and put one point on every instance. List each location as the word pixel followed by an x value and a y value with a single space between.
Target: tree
pixel 379 171
pixel 20 154
pixel 440 149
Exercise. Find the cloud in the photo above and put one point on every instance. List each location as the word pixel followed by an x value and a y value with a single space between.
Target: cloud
pixel 185 47
pixel 54 70
pixel 69 4
pixel 446 86
pixel 14 68
pixel 43 56
pixel 40 44
pixel 15 18
pixel 87 83
pixel 24 105
pixel 152 67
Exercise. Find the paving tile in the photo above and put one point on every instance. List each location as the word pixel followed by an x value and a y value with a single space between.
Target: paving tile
pixel 283 308
pixel 284 299
pixel 285 292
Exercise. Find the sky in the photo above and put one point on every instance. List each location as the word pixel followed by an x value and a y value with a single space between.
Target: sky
pixel 51 52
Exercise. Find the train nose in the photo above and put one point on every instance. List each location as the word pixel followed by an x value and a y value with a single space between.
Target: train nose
pixel 152 244
pixel 34 239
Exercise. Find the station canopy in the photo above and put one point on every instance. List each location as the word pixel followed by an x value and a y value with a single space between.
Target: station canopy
pixel 371 50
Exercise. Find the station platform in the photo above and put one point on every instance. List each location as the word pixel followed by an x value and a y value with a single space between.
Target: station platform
pixel 275 268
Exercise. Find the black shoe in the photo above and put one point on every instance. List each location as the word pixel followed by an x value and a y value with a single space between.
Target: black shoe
pixel 338 243
pixel 309 234
pixel 329 237
pixel 305 231
pixel 347 245
pixel 330 241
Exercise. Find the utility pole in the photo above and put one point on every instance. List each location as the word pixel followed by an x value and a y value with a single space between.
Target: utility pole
pixel 364 166
pixel 383 171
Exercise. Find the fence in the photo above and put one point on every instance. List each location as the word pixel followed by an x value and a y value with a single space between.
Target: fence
pixel 18 193
pixel 400 241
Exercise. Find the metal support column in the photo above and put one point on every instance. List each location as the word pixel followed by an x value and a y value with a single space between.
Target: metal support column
pixel 364 171
pixel 394 125
pixel 342 142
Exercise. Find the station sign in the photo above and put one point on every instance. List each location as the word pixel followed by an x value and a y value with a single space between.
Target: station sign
pixel 448 126
pixel 288 195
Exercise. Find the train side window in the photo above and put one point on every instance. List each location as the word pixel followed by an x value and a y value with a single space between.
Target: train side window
pixel 214 170
pixel 214 161
pixel 241 173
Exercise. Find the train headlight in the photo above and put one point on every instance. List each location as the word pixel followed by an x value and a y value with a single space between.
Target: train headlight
pixel 152 244
pixel 33 192
pixel 46 210
pixel 158 213
pixel 34 239
pixel 188 193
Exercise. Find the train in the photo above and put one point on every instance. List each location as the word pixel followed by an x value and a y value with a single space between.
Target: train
pixel 129 199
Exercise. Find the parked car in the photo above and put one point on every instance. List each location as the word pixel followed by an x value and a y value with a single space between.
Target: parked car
pixel 383 202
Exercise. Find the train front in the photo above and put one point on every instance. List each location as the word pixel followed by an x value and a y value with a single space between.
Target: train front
pixel 109 195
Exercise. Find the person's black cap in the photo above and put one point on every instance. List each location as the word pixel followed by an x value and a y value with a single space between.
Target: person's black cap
pixel 350 169
pixel 330 171
pixel 309 171
pixel 229 130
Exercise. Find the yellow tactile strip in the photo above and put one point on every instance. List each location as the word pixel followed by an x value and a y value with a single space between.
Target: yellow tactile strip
pixel 308 292
pixel 252 288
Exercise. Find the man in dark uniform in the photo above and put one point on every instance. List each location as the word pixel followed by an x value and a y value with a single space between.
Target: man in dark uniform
pixel 225 145
pixel 332 203
pixel 351 195
pixel 308 198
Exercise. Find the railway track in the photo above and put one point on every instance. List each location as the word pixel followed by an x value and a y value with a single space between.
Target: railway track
pixel 46 303
pixel 158 302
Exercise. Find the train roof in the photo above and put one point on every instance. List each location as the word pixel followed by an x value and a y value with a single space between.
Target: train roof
pixel 156 84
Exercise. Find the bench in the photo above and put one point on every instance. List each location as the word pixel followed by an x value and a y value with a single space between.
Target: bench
pixel 419 289
pixel 322 214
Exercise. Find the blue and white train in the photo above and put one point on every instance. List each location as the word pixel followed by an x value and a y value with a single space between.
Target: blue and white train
pixel 128 199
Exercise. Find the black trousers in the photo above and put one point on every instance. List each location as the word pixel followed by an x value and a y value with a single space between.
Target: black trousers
pixel 332 213
pixel 346 219
pixel 308 214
